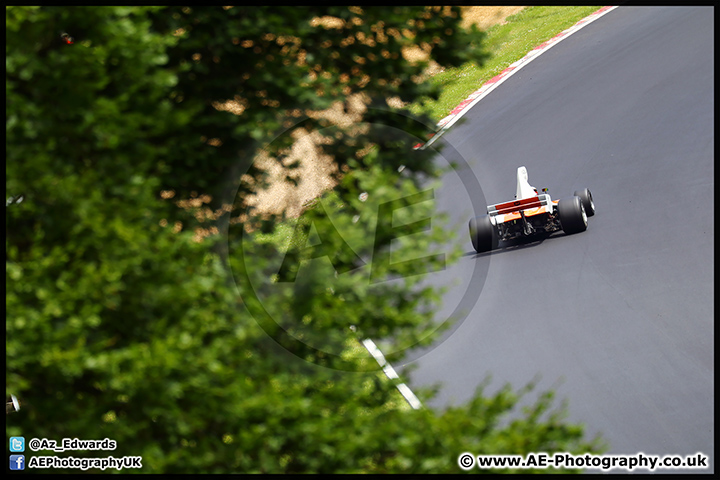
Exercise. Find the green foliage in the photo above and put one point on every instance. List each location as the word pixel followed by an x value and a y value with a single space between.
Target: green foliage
pixel 377 297
pixel 122 325
pixel 506 43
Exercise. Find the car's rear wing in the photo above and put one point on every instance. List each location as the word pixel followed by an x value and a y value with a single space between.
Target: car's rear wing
pixel 542 200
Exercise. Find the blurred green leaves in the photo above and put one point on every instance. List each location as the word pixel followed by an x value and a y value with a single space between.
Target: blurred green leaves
pixel 121 324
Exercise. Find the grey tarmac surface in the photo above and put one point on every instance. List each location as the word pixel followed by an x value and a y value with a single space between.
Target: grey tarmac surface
pixel 619 319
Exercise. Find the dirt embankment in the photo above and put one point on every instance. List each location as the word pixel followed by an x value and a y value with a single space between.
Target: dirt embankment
pixel 315 169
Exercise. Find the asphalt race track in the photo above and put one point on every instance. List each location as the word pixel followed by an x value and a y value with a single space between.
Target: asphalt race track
pixel 619 319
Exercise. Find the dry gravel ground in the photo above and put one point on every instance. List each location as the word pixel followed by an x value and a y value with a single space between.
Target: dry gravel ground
pixel 486 17
pixel 315 169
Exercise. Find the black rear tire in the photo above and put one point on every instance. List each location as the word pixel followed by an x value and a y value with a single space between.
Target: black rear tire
pixel 587 201
pixel 482 233
pixel 573 218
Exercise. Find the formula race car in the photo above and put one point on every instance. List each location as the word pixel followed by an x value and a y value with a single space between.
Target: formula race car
pixel 529 214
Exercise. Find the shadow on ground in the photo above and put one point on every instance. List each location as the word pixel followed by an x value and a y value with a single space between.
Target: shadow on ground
pixel 517 244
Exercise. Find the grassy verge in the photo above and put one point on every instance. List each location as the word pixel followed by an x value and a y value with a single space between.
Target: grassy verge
pixel 507 43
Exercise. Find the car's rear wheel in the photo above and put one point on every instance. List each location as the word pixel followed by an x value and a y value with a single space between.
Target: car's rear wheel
pixel 482 233
pixel 573 218
pixel 587 201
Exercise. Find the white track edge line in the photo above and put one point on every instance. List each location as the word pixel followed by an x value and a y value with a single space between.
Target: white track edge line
pixel 390 372
pixel 516 66
pixel 369 345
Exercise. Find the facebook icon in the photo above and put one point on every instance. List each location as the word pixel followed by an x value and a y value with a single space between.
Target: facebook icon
pixel 17 462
